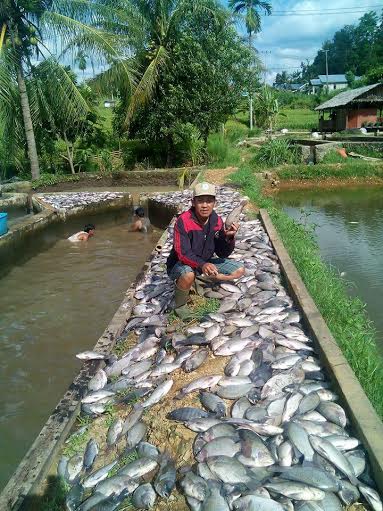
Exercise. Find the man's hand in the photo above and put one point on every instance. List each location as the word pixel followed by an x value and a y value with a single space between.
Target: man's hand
pixel 232 231
pixel 209 269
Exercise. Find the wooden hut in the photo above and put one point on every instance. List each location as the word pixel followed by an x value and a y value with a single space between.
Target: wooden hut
pixel 352 109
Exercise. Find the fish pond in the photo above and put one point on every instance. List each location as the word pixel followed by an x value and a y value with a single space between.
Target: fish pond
pixel 348 225
pixel 54 304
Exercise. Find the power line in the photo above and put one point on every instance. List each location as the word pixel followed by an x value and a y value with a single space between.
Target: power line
pixel 287 14
pixel 353 7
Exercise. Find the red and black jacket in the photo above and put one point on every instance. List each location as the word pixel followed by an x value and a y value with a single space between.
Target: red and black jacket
pixel 194 243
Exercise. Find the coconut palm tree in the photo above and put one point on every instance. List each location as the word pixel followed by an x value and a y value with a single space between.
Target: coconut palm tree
pixel 161 19
pixel 250 11
pixel 28 29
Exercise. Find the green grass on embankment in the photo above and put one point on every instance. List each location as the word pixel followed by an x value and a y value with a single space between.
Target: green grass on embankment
pixel 346 170
pixel 345 316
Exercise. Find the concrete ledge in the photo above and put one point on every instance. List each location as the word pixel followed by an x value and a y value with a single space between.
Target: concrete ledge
pixel 365 420
pixel 34 467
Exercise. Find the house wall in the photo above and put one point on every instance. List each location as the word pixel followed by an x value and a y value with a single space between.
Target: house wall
pixel 357 117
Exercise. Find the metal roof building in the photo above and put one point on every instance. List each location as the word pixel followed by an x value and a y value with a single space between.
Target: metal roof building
pixel 352 108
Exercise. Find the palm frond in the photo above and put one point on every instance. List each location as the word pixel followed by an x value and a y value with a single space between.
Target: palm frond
pixel 114 79
pixel 147 84
pixel 60 94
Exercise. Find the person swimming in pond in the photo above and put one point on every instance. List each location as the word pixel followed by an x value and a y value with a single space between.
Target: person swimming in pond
pixel 83 235
pixel 140 221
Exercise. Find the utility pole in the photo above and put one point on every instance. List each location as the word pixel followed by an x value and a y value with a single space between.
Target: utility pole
pixel 326 51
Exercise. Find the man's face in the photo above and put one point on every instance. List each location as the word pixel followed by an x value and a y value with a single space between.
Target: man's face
pixel 91 233
pixel 204 205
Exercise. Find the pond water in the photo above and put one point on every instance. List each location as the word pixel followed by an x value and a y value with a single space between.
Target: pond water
pixel 54 305
pixel 349 229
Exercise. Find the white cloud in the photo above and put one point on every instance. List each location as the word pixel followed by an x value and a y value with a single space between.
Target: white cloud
pixel 292 39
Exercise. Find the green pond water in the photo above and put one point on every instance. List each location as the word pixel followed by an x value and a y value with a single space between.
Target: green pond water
pixel 348 226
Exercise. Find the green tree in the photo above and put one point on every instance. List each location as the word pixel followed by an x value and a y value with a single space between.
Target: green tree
pixel 201 85
pixel 160 20
pixel 266 108
pixel 26 27
pixel 250 11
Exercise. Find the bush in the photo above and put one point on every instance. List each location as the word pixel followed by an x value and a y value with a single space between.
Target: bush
pixel 235 131
pixel 137 151
pixel 220 152
pixel 276 152
pixel 53 179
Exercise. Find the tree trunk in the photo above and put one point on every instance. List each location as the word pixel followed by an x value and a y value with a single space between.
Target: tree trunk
pixel 250 91
pixel 70 154
pixel 28 126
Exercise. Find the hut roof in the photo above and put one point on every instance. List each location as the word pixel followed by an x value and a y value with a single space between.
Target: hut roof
pixel 344 98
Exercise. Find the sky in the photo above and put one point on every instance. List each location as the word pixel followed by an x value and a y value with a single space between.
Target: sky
pixel 288 39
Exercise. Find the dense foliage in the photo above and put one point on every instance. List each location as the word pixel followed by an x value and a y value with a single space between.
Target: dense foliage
pixel 198 89
pixel 354 49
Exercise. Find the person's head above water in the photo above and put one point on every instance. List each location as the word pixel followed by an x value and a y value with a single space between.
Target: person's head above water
pixel 90 228
pixel 204 200
pixel 140 212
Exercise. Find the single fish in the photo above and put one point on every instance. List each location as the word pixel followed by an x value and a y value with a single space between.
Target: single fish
pixel 99 475
pixel 235 215
pixel 256 503
pixel 114 432
pixel 90 355
pixel 195 360
pixel 116 485
pixel 158 394
pixel 213 403
pixel 166 477
pixel 139 467
pixel 194 486
pixel 90 455
pixel 296 491
pixel 187 414
pixel 334 456
pixel 144 497
pixel 204 382
pixel 135 434
pixel 98 381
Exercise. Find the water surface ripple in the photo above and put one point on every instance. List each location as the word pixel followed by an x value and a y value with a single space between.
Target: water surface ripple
pixel 52 306
pixel 349 228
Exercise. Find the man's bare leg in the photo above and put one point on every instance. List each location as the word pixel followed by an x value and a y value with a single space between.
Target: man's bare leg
pixel 237 274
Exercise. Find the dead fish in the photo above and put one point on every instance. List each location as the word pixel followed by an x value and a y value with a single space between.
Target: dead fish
pixel 186 414
pixel 114 432
pixel 227 305
pixel 98 395
pixel 166 477
pixel 98 381
pixel 99 475
pixel 222 446
pixel 213 403
pixel 90 454
pixel 135 434
pixel 202 424
pixel 234 391
pixel 158 394
pixel 194 486
pixel 195 360
pixel 231 288
pixel 334 456
pixel 144 497
pixel 256 503
pixel 204 382
pixel 90 355
pixel 139 467
pixel 296 491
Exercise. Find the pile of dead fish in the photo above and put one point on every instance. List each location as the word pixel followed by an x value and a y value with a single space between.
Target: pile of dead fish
pixel 269 433
pixel 74 200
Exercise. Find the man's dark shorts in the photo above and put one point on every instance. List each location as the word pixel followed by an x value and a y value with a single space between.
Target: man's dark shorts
pixel 224 266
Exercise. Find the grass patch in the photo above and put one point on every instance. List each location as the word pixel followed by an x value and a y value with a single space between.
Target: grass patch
pixel 297 118
pixel 76 444
pixel 199 308
pixel 275 152
pixel 53 179
pixel 349 169
pixel 221 152
pixel 345 316
pixel 365 150
pixel 55 498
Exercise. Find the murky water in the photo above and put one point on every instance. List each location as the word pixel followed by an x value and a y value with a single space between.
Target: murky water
pixel 54 305
pixel 349 228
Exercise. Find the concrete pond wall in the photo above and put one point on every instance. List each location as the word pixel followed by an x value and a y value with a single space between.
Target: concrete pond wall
pixel 245 325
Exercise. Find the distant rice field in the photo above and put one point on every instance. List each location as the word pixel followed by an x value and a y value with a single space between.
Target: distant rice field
pixel 299 118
